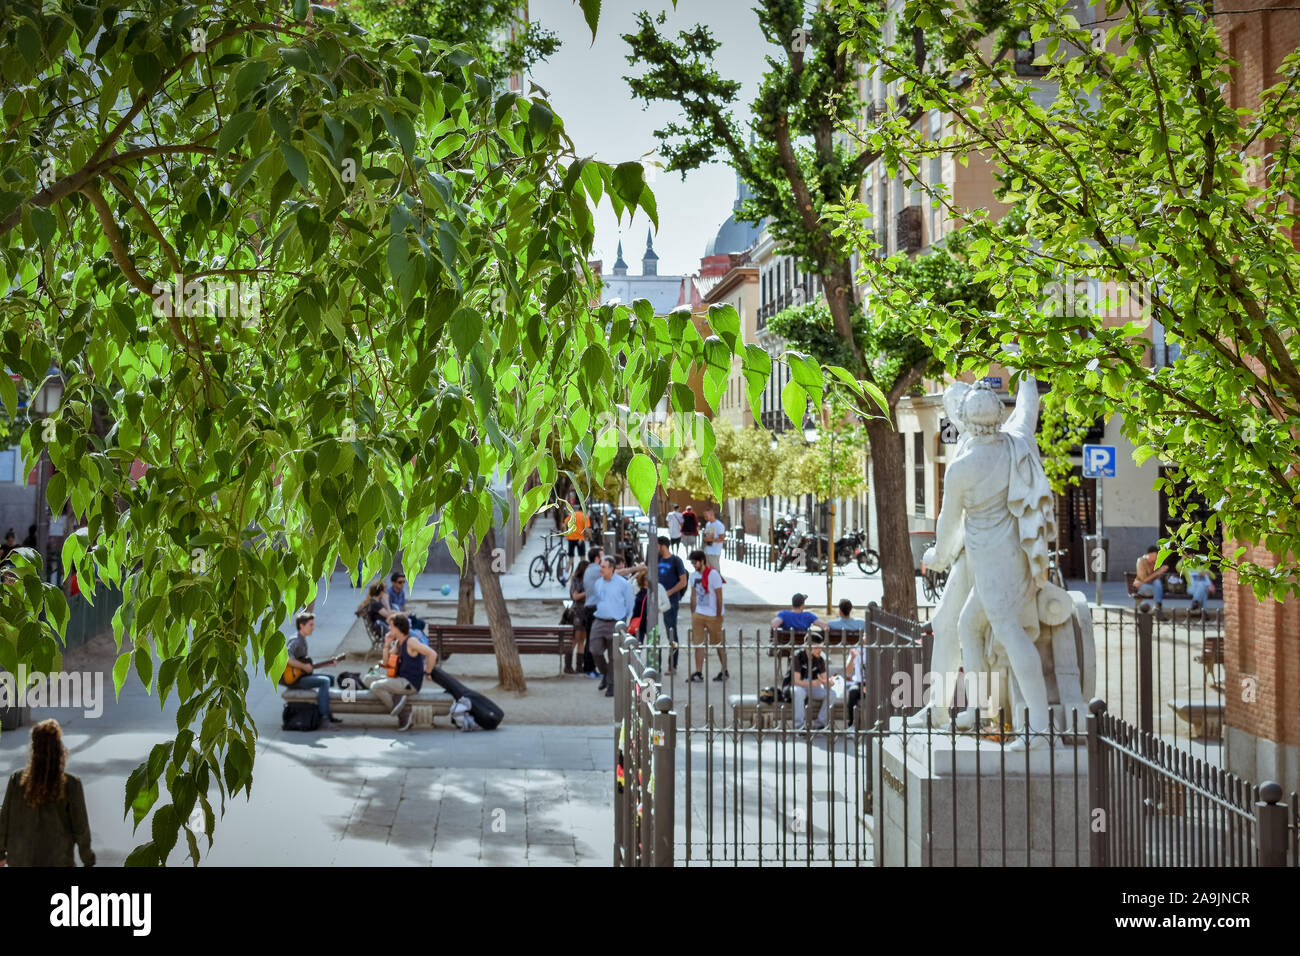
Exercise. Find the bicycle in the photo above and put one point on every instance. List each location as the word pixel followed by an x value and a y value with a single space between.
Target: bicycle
pixel 1054 567
pixel 554 559
pixel 932 584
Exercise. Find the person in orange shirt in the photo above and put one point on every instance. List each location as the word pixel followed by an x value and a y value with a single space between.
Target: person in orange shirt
pixel 577 533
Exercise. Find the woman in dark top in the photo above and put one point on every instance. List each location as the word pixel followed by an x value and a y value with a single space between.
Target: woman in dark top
pixel 44 813
pixel 639 604
pixel 579 606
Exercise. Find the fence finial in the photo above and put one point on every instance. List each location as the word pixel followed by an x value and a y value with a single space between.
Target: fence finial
pixel 1270 792
pixel 1097 705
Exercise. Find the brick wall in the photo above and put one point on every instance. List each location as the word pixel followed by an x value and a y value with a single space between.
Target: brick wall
pixel 1262 639
pixel 1261 659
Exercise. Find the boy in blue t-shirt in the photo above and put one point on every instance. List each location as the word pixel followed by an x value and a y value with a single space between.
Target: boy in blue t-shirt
pixel 797 619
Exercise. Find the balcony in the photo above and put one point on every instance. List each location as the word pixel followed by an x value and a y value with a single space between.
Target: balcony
pixel 908 229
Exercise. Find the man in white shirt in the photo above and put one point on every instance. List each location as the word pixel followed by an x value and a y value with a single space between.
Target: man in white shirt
pixel 712 535
pixel 706 615
pixel 675 528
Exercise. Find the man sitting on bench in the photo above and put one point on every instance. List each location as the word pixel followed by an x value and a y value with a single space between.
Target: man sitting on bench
pixel 410 671
pixel 298 657
pixel 796 618
pixel 1150 580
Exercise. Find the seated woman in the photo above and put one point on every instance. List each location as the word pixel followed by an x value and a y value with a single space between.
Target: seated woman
pixel 374 606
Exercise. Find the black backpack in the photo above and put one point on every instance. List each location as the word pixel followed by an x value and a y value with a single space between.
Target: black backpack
pixel 300 715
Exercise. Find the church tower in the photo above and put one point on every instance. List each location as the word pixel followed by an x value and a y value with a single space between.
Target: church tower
pixel 620 267
pixel 649 261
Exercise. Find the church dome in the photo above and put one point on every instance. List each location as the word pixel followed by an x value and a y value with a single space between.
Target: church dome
pixel 734 236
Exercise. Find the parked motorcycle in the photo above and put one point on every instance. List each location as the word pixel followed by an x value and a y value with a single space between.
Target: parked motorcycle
pixel 784 527
pixel 853 547
pixel 806 550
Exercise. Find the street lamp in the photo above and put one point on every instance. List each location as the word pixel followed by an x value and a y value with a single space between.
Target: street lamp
pixel 45 403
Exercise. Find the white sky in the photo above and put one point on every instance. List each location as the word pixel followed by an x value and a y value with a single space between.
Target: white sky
pixel 587 89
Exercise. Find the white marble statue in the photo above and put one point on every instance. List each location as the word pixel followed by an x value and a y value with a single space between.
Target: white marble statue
pixel 994 532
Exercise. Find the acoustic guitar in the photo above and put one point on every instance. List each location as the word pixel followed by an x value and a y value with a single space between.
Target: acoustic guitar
pixel 291 673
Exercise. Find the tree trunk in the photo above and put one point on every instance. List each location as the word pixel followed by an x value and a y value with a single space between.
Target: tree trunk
pixel 510 672
pixel 465 596
pixel 888 472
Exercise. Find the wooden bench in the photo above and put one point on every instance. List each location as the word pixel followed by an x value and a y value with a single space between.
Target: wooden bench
pixel 751 712
pixel 1205 717
pixel 1211 657
pixel 448 639
pixel 783 640
pixel 428 703
pixel 1176 592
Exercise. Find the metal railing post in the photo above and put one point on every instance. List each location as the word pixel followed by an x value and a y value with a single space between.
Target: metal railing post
pixel 1271 825
pixel 621 731
pixel 1146 705
pixel 665 781
pixel 1098 789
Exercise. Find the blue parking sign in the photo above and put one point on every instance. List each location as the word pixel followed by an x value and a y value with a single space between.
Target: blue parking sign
pixel 1099 461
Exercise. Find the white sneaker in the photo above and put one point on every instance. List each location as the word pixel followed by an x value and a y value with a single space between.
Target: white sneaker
pixel 1020 744
pixel 406 724
pixel 401 702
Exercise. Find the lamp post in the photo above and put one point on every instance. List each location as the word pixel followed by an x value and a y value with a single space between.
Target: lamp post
pixel 810 435
pixel 45 402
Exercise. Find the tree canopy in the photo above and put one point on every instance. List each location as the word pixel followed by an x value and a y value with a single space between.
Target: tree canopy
pixel 309 292
pixel 1146 191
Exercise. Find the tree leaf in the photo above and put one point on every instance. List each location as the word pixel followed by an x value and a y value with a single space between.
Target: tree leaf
pixel 642 478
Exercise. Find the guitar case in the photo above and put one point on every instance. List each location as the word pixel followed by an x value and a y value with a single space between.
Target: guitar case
pixel 485 712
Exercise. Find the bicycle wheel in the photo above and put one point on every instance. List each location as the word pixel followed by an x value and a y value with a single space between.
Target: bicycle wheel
pixel 868 561
pixel 538 569
pixel 927 586
pixel 563 566
pixel 939 581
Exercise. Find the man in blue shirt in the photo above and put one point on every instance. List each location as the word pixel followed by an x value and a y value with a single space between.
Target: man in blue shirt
pixel 614 597
pixel 397 602
pixel 674 578
pixel 846 621
pixel 796 618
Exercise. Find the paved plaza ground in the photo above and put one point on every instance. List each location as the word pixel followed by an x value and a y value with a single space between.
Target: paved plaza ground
pixel 536 791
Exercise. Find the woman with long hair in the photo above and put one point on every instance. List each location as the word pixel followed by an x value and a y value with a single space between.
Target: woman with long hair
pixel 579 631
pixel 44 813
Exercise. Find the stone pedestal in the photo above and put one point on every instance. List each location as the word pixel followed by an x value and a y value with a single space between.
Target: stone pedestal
pixel 917 789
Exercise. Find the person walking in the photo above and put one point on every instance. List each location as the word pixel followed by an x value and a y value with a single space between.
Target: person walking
pixel 713 534
pixel 586 593
pixel 578 613
pixel 673 578
pixel 44 813
pixel 576 536
pixel 674 520
pixel 706 615
pixel 614 600
pixel 690 529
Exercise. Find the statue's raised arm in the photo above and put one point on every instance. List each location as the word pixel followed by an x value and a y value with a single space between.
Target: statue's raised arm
pixel 1023 420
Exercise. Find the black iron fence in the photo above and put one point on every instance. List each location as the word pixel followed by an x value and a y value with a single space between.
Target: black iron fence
pixel 1155 805
pixel 766 772
pixel 645 742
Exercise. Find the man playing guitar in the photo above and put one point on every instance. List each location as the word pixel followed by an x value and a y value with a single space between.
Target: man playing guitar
pixel 299 672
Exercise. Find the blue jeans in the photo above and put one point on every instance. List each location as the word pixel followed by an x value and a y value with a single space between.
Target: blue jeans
pixel 1198 584
pixel 1153 588
pixel 670 626
pixel 322 684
